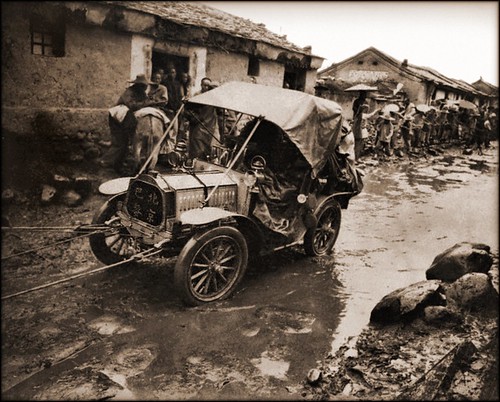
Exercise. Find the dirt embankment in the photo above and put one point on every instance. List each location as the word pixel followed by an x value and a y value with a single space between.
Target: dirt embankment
pixel 446 359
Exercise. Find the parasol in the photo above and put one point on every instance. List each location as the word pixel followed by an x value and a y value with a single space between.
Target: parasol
pixel 397 89
pixel 360 87
pixel 423 108
pixel 466 104
pixel 391 107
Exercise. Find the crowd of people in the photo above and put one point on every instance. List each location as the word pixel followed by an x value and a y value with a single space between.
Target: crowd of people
pixel 401 127
pixel 165 92
pixel 395 128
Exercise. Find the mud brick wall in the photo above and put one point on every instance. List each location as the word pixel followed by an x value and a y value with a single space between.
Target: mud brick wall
pixel 59 104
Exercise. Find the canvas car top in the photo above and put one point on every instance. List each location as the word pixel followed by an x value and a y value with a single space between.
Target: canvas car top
pixel 313 124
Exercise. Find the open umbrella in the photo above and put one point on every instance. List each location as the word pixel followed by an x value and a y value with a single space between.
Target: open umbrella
pixel 423 108
pixel 465 104
pixel 391 107
pixel 360 87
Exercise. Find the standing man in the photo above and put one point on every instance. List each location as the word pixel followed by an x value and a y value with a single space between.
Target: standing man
pixel 357 103
pixel 357 118
pixel 174 89
pixel 174 95
pixel 386 130
pixel 158 92
pixel 122 122
pixel 359 127
pixel 203 127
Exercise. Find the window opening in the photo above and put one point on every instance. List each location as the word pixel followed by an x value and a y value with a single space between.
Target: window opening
pixel 253 66
pixel 47 38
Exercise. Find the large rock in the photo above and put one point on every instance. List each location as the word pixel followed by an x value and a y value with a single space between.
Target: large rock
pixel 441 316
pixel 472 291
pixel 71 198
pixel 459 260
pixel 48 194
pixel 407 303
pixel 493 275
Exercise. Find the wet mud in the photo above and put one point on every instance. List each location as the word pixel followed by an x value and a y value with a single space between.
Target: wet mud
pixel 124 334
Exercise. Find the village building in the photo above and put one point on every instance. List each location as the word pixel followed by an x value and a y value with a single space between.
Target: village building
pixel 65 63
pixel 394 81
pixel 489 89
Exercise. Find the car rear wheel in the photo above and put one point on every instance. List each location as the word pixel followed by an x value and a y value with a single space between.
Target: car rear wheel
pixel 321 239
pixel 115 244
pixel 211 265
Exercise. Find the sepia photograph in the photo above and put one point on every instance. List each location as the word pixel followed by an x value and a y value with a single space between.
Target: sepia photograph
pixel 250 200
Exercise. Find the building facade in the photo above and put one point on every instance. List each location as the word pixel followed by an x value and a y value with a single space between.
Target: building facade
pixel 65 63
pixel 394 80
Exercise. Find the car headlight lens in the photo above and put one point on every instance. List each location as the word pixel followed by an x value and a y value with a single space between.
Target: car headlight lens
pixel 174 159
pixel 301 198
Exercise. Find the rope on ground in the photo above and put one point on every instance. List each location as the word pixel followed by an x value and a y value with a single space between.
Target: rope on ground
pixel 50 245
pixel 134 257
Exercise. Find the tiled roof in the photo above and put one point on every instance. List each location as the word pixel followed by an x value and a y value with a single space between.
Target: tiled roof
pixel 200 15
pixel 425 73
pixel 490 87
pixel 439 78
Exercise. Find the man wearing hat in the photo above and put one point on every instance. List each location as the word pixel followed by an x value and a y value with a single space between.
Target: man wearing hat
pixel 386 131
pixel 122 122
pixel 359 128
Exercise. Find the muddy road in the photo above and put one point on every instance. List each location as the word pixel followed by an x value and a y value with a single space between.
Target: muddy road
pixel 123 333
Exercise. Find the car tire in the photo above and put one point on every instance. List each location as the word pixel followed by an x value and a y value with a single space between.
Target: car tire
pixel 320 240
pixel 111 247
pixel 199 275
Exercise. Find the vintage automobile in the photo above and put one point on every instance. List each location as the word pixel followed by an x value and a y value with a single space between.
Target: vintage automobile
pixel 281 181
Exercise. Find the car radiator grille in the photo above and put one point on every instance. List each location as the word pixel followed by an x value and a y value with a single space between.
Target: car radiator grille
pixel 145 203
pixel 224 197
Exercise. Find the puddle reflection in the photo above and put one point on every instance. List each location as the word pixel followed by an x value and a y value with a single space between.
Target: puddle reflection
pixel 404 218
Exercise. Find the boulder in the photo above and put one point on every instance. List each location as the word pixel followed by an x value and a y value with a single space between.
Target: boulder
pixel 8 195
pixel 61 182
pixel 493 275
pixel 407 303
pixel 472 291
pixel 459 260
pixel 48 194
pixel 441 316
pixel 71 198
pixel 314 376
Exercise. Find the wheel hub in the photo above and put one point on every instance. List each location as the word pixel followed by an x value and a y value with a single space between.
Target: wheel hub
pixel 214 267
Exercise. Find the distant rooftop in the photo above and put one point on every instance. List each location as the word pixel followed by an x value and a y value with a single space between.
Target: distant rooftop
pixel 426 73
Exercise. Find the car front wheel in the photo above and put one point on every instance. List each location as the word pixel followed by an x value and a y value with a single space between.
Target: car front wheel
pixel 211 265
pixel 113 245
pixel 320 240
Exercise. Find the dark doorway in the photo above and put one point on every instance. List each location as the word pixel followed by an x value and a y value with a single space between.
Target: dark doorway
pixel 165 60
pixel 294 78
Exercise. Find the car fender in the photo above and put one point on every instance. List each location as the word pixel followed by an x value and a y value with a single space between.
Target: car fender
pixel 208 215
pixel 108 203
pixel 340 197
pixel 114 186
